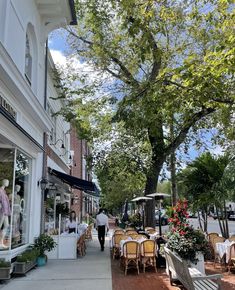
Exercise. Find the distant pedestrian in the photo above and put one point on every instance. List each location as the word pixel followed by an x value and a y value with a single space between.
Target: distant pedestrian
pixel 102 225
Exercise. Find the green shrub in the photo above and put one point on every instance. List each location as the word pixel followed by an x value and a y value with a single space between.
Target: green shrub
pixel 28 256
pixel 44 243
pixel 4 263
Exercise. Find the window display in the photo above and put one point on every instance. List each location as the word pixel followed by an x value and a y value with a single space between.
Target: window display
pixel 15 170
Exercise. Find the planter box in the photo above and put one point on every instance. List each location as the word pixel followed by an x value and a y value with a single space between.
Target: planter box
pixel 23 267
pixel 5 273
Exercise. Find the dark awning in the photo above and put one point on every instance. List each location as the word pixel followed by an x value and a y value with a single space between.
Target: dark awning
pixel 75 182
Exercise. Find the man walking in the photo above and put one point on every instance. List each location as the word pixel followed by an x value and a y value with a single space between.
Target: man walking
pixel 102 225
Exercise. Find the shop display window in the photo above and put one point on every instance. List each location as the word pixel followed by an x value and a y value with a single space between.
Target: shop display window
pixel 15 176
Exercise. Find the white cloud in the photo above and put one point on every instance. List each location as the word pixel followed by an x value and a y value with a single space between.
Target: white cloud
pixel 58 57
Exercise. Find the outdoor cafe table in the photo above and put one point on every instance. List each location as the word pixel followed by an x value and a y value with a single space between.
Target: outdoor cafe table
pixel 224 249
pixel 122 242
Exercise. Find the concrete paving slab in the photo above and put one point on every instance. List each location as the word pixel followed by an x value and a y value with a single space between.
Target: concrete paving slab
pixel 93 271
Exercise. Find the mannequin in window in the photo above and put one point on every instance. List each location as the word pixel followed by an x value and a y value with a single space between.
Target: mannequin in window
pixel 5 212
pixel 16 212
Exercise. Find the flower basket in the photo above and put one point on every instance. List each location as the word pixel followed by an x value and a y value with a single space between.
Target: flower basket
pixel 5 269
pixel 22 268
pixel 26 261
pixel 183 239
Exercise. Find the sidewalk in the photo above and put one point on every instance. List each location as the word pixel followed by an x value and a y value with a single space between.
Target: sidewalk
pixel 96 270
pixel 93 271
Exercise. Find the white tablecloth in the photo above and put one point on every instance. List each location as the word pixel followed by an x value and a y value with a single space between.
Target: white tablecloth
pixel 224 249
pixel 122 242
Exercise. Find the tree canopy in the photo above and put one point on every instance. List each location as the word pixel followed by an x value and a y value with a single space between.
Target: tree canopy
pixel 147 65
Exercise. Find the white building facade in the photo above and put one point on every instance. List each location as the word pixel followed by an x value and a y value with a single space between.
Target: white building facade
pixel 26 120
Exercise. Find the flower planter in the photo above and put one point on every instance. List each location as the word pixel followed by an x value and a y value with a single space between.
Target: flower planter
pixel 5 273
pixel 41 261
pixel 23 267
pixel 200 265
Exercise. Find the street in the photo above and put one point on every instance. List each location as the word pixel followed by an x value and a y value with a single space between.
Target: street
pixel 213 225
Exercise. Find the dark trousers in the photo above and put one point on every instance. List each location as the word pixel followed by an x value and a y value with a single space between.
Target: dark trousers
pixel 101 236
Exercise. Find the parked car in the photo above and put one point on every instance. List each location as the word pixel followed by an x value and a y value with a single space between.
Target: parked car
pixel 220 215
pixel 164 217
pixel 192 214
pixel 231 215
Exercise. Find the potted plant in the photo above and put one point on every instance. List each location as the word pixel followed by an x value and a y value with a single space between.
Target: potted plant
pixel 190 244
pixel 43 243
pixel 26 261
pixel 5 269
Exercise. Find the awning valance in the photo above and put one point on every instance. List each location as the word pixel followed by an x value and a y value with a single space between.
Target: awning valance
pixel 75 182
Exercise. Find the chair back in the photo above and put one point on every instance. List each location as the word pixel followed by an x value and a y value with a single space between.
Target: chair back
pixel 131 250
pixel 148 248
pixel 216 240
pixel 149 228
pixel 118 231
pixel 151 231
pixel 130 229
pixel 232 239
pixel 211 236
pixel 131 232
pixel 117 238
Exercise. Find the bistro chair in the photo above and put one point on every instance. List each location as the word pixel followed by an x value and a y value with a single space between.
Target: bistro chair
pixel 151 231
pixel 129 229
pixel 130 256
pixel 231 260
pixel 232 239
pixel 131 232
pixel 119 231
pixel 81 245
pixel 210 238
pixel 116 239
pixel 88 236
pixel 149 228
pixel 148 254
pixel 217 257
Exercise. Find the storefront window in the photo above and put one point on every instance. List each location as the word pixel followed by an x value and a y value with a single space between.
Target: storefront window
pixel 6 184
pixel 20 202
pixel 15 175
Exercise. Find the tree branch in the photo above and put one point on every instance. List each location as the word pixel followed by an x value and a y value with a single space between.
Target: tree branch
pixel 184 131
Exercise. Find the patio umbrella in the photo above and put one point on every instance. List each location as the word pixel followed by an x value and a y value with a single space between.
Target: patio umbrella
pixel 142 200
pixel 159 196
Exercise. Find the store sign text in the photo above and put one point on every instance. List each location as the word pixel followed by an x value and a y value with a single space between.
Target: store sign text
pixel 7 107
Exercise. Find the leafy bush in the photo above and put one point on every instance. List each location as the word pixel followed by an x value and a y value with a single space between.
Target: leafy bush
pixel 183 239
pixel 4 263
pixel 28 256
pixel 44 243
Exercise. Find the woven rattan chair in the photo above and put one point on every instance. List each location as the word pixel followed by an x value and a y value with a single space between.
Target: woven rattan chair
pixel 119 231
pixel 211 236
pixel 149 228
pixel 148 254
pixel 231 260
pixel 232 239
pixel 116 244
pixel 152 231
pixel 81 245
pixel 131 232
pixel 130 256
pixel 89 232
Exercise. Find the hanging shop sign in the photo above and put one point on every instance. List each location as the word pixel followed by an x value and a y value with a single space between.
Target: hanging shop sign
pixel 7 108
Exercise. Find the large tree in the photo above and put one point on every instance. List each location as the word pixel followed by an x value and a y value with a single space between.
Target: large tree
pixel 163 62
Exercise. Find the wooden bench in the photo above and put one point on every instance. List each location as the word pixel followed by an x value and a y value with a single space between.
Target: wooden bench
pixel 190 278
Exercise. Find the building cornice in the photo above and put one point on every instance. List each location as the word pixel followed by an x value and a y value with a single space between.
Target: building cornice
pixel 19 87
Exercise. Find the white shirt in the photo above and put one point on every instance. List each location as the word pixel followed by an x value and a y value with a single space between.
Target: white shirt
pixel 102 220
